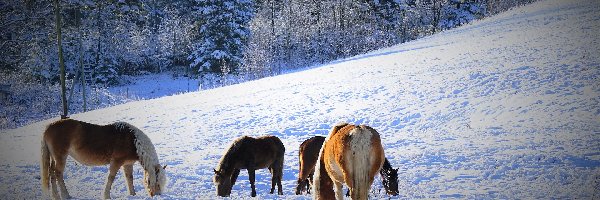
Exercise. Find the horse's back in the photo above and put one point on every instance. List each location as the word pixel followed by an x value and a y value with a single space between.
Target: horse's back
pixel 312 145
pixel 263 151
pixel 309 150
pixel 273 142
pixel 90 144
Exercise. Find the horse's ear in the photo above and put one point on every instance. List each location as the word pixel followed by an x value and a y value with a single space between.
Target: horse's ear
pixel 216 172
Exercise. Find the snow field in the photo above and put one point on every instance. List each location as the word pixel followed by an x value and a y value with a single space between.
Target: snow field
pixel 506 107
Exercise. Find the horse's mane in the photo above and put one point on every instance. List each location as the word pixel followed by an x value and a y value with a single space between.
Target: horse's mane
pixel 224 163
pixel 146 153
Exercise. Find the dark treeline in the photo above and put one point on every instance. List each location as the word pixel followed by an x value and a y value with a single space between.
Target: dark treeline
pixel 251 38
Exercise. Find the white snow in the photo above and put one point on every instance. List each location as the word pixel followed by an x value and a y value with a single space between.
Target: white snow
pixel 506 107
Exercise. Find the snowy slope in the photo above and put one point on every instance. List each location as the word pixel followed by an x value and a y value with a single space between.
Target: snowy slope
pixel 507 107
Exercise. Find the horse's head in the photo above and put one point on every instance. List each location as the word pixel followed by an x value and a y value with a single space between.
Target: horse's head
pixel 223 183
pixel 155 180
pixel 301 186
pixel 390 180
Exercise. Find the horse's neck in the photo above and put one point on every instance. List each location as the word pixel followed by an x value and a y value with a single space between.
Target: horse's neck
pixel 227 164
pixel 226 170
pixel 386 165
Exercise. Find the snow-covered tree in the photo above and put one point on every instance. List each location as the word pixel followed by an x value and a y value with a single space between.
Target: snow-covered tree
pixel 458 12
pixel 223 35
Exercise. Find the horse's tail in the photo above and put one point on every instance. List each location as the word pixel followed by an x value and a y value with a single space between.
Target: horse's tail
pixel 45 167
pixel 301 154
pixel 365 160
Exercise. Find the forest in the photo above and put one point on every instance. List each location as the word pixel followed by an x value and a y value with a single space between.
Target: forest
pixel 217 43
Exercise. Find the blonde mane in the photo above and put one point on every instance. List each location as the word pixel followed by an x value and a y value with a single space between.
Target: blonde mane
pixel 146 153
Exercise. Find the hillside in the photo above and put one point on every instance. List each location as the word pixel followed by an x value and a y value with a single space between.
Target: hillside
pixel 506 107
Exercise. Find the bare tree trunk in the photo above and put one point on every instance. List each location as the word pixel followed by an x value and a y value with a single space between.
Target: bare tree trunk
pixel 272 47
pixel 82 74
pixel 289 37
pixel 98 23
pixel 61 62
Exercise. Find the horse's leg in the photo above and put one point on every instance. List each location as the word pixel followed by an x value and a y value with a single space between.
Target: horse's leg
pixel 128 171
pixel 53 179
pixel 234 176
pixel 273 179
pixel 309 181
pixel 59 169
pixel 279 172
pixel 251 177
pixel 112 172
pixel 339 194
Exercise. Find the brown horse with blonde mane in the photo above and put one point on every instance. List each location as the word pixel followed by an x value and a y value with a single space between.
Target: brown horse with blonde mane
pixel 119 144
pixel 309 153
pixel 250 153
pixel 350 155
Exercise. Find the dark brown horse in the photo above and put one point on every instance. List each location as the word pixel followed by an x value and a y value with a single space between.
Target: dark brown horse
pixel 309 153
pixel 118 144
pixel 389 178
pixel 251 154
pixel 350 155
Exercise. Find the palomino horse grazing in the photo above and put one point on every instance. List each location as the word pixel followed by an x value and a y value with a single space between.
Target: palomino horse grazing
pixel 309 153
pixel 352 155
pixel 118 144
pixel 251 154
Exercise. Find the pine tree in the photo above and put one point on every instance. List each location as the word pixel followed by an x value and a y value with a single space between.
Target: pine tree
pixel 458 12
pixel 223 35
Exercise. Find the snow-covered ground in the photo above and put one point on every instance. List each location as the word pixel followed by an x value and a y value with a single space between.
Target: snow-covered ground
pixel 34 102
pixel 154 86
pixel 507 107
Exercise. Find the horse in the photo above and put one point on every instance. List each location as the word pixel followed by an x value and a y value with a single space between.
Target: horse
pixel 389 178
pixel 119 144
pixel 250 153
pixel 350 155
pixel 309 152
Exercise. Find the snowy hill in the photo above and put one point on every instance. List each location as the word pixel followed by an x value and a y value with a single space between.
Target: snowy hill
pixel 507 107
